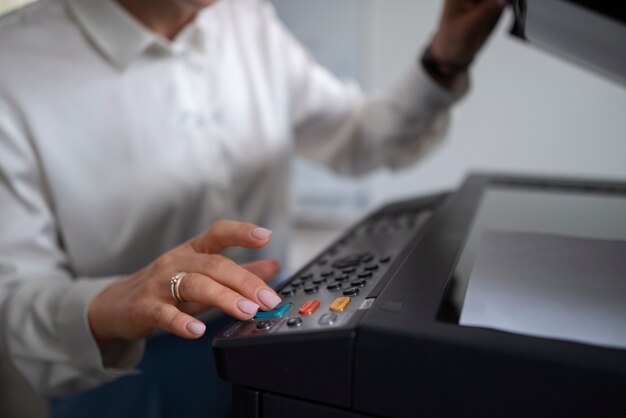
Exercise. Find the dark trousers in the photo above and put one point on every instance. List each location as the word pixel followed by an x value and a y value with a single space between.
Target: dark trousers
pixel 178 379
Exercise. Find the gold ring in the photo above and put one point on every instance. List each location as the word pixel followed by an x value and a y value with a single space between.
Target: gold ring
pixel 175 286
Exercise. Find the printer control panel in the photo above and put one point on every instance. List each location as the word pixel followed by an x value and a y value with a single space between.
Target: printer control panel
pixel 345 278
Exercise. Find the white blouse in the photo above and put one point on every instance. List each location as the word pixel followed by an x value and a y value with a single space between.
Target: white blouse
pixel 116 145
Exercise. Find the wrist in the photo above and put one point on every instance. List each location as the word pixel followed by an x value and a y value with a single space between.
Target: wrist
pixel 441 68
pixel 96 325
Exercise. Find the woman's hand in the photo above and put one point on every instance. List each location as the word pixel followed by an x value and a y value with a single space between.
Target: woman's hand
pixel 138 304
pixel 464 27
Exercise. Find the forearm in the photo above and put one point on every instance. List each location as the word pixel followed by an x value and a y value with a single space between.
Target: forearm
pixel 46 336
pixel 392 129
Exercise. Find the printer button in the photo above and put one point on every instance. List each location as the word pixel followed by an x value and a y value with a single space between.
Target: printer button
pixel 358 283
pixel 328 319
pixel 370 267
pixel 311 290
pixel 309 307
pixel 334 286
pixel 288 292
pixel 294 322
pixel 340 304
pixel 351 291
pixel 277 312
pixel 264 325
pixel 319 280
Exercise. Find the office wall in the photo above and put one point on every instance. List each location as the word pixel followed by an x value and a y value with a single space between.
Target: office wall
pixel 334 31
pixel 527 111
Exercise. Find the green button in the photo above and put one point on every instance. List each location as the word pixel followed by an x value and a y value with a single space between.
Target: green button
pixel 277 312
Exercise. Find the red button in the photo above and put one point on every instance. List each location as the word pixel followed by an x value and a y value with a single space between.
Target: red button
pixel 309 307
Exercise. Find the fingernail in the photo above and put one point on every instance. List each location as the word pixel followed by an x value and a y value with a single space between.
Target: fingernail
pixel 247 306
pixel 261 233
pixel 268 298
pixel 197 328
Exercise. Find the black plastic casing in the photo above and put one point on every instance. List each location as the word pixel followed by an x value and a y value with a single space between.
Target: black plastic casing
pixel 399 359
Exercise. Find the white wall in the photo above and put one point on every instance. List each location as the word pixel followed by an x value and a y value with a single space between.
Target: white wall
pixel 527 111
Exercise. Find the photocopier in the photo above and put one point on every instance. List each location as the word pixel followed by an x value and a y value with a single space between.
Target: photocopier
pixel 504 298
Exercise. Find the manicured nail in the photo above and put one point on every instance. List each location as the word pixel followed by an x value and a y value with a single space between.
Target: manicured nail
pixel 247 306
pixel 261 233
pixel 268 298
pixel 197 328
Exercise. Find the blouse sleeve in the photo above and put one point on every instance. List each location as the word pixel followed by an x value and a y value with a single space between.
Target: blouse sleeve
pixel 337 125
pixel 44 330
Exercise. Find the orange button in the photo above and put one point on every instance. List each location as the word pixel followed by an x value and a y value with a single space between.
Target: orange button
pixel 309 307
pixel 340 304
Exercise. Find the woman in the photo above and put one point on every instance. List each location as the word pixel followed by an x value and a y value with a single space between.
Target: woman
pixel 128 127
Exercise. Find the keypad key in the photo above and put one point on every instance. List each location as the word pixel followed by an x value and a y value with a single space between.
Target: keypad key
pixel 309 307
pixel 334 286
pixel 385 259
pixel 311 290
pixel 319 280
pixel 351 291
pixel 358 283
pixel 344 263
pixel 328 273
pixel 328 319
pixel 264 325
pixel 365 275
pixel 366 257
pixel 343 278
pixel 370 267
pixel 277 312
pixel 288 292
pixel 294 322
pixel 349 270
pixel 296 284
pixel 306 276
pixel 340 304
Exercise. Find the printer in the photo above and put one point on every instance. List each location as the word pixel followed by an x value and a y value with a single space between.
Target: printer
pixel 504 298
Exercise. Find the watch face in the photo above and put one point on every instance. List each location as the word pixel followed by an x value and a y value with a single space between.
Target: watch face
pixel 439 69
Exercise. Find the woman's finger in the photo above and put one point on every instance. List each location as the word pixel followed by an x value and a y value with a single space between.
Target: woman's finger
pixel 264 269
pixel 233 276
pixel 225 233
pixel 167 317
pixel 198 288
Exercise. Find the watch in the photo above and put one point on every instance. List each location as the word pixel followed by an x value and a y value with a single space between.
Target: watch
pixel 440 69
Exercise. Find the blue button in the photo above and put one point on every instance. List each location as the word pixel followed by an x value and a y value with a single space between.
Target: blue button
pixel 277 312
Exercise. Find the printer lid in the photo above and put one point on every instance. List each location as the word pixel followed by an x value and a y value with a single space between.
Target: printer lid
pixel 588 33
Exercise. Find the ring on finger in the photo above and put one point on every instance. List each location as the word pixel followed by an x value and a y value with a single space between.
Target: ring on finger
pixel 175 286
